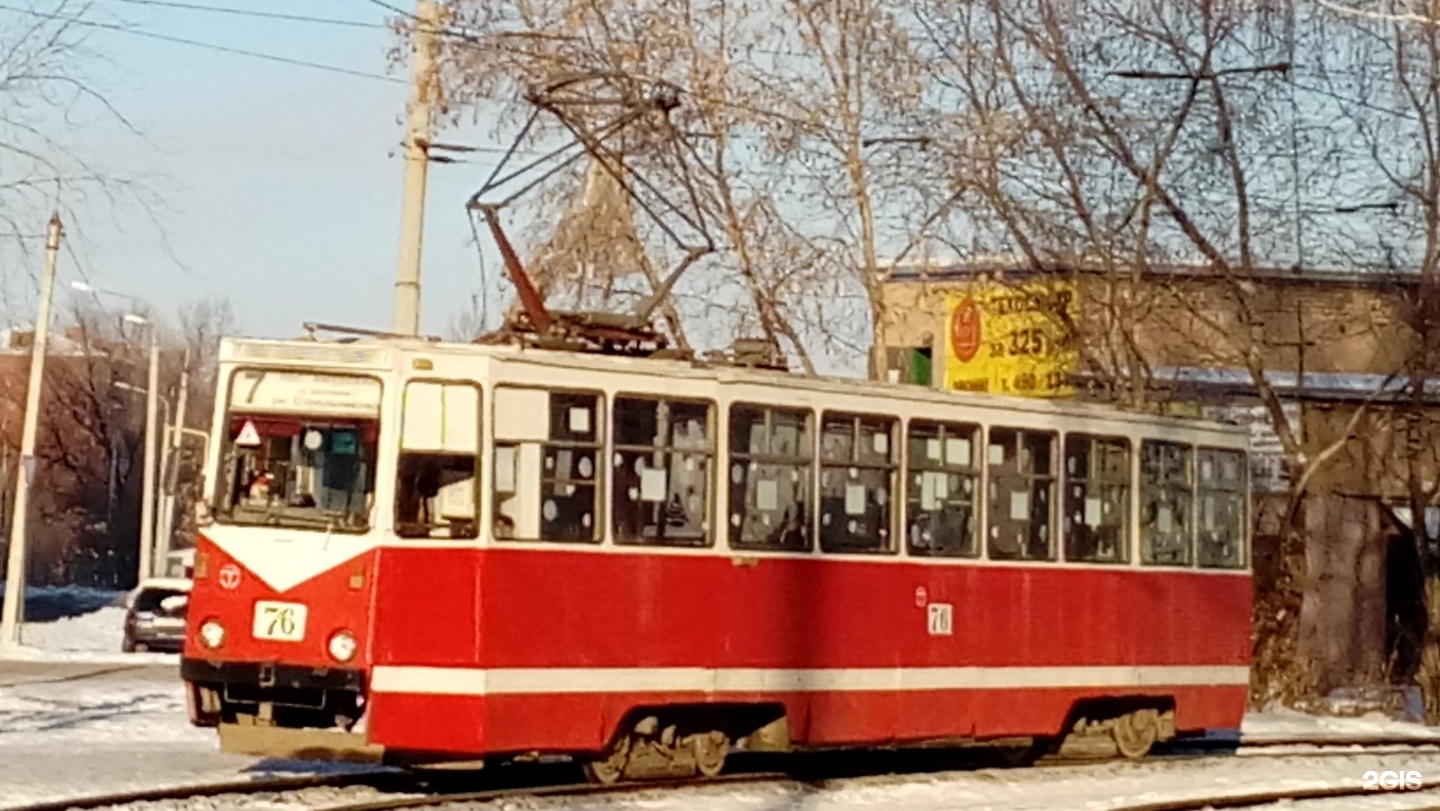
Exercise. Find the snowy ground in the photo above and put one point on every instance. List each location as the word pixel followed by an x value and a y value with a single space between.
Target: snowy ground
pixel 1071 788
pixel 76 625
pixel 1285 723
pixel 105 731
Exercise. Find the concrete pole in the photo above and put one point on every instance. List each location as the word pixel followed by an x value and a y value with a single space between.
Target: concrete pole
pixel 420 129
pixel 152 442
pixel 12 616
pixel 172 466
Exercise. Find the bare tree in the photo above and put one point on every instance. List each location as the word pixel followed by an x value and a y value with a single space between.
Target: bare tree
pixel 1126 139
pixel 50 89
pixel 1379 72
pixel 795 137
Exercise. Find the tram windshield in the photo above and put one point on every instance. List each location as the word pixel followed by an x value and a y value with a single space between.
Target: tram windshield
pixel 312 470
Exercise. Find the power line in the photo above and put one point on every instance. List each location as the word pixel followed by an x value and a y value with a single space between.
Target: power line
pixel 284 60
pixel 391 9
pixel 242 12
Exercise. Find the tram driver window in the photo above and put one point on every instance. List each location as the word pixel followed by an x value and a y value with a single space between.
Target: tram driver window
pixel 857 483
pixel 771 456
pixel 1166 499
pixel 661 490
pixel 942 487
pixel 547 488
pixel 1096 517
pixel 1020 508
pixel 1221 521
pixel 436 492
pixel 301 472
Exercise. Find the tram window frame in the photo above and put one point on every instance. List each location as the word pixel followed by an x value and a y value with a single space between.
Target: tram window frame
pixel 1152 520
pixel 234 461
pixel 853 463
pixel 932 476
pixel 1236 489
pixel 1081 509
pixel 747 470
pixel 460 529
pixel 561 436
pixel 1000 512
pixel 624 458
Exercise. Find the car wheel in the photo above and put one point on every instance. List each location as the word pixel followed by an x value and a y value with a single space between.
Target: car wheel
pixel 141 647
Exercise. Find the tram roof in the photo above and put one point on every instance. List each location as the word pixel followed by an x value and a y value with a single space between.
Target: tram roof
pixel 389 354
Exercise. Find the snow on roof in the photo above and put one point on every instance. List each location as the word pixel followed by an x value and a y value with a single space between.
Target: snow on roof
pixel 1309 385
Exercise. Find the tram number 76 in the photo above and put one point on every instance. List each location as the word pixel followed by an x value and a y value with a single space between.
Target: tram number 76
pixel 941 616
pixel 283 622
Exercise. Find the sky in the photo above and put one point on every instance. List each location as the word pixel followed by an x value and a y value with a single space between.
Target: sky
pixel 280 185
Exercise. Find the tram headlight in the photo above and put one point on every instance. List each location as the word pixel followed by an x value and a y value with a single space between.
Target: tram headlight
pixel 212 633
pixel 342 646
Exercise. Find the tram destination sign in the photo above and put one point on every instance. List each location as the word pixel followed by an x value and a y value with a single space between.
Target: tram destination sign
pixel 288 392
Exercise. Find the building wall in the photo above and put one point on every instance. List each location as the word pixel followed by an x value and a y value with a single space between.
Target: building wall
pixel 1317 325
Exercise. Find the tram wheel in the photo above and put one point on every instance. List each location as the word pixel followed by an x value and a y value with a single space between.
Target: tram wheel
pixel 608 770
pixel 1135 732
pixel 711 749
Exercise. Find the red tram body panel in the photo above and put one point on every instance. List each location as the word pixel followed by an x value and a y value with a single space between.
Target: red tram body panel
pixel 316 610
pixel 565 645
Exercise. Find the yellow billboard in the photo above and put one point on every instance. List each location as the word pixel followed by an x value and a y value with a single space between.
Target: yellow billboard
pixel 1011 339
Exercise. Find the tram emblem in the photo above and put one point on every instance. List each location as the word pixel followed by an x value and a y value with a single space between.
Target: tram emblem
pixel 230 576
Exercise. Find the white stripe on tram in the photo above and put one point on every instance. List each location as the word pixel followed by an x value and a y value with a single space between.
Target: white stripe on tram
pixel 482 682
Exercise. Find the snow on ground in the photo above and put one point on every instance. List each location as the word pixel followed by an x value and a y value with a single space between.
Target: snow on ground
pixel 1052 788
pixel 92 637
pixel 1287 723
pixel 75 624
pixel 72 735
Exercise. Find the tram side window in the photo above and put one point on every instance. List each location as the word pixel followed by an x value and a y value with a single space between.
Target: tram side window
pixel 1022 494
pixel 857 482
pixel 1096 517
pixel 771 455
pixel 547 484
pixel 663 451
pixel 437 482
pixel 942 481
pixel 1166 499
pixel 1221 520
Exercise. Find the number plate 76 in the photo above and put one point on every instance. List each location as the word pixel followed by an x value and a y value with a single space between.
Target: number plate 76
pixel 284 622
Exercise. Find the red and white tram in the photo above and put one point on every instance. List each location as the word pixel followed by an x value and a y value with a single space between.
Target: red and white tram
pixel 454 551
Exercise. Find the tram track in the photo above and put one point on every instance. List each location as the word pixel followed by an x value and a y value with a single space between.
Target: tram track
pixel 1271 797
pixel 392 790
pixel 216 788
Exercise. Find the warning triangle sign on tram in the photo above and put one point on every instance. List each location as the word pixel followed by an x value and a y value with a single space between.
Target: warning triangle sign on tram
pixel 249 437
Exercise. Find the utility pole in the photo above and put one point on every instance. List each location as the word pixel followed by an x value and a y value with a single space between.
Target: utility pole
pixel 152 442
pixel 171 469
pixel 420 129
pixel 13 615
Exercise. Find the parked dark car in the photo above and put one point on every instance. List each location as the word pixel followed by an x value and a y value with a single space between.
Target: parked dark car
pixel 155 615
